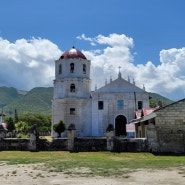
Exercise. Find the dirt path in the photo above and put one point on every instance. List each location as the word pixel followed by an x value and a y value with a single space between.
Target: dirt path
pixel 30 175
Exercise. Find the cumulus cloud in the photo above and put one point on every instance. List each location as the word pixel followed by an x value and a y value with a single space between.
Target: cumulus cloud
pixel 168 78
pixel 83 37
pixel 26 64
pixel 106 62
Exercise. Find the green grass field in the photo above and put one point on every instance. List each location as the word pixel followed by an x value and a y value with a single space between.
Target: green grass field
pixel 92 163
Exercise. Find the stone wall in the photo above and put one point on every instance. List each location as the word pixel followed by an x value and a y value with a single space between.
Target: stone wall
pixel 170 128
pixel 170 141
pixel 87 144
pixel 90 144
pixel 130 145
pixel 14 144
pixel 152 138
pixel 59 144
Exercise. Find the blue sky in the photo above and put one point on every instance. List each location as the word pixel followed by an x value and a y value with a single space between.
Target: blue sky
pixel 146 38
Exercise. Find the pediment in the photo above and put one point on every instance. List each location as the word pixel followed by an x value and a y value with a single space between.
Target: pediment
pixel 119 85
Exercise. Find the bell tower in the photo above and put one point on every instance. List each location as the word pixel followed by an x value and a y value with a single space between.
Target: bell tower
pixel 72 75
pixel 72 92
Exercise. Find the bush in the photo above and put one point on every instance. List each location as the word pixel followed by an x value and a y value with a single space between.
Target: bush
pixel 59 127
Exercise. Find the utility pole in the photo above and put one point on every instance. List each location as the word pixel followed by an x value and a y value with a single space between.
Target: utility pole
pixel 2 114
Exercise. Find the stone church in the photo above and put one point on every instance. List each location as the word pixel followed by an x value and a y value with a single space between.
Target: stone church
pixel 91 112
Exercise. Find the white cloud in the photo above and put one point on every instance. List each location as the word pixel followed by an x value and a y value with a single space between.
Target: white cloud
pixel 83 37
pixel 168 78
pixel 26 64
pixel 105 62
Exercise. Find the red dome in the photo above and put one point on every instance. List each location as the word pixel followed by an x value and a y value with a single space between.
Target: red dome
pixel 73 53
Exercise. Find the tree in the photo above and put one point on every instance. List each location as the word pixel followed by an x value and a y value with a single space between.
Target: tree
pixel 10 124
pixel 16 119
pixel 43 121
pixel 59 128
pixel 22 127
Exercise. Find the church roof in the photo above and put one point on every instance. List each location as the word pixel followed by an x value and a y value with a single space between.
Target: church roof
pixel 73 53
pixel 119 85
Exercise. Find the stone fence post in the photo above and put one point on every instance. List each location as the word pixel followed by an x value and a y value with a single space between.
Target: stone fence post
pixel 34 138
pixel 110 135
pixel 32 145
pixel 71 133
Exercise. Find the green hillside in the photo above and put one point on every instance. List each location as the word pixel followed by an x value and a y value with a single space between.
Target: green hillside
pixel 38 100
pixel 9 94
pixel 156 98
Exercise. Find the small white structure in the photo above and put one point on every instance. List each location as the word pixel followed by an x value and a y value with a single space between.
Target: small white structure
pixel 2 117
pixel 3 126
pixel 92 112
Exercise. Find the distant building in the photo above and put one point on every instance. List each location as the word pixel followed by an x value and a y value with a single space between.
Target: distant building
pixel 164 128
pixel 3 126
pixel 2 117
pixel 92 112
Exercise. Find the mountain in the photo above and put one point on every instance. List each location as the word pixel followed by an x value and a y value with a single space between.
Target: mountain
pixel 38 100
pixel 156 98
pixel 9 94
pixel 35 100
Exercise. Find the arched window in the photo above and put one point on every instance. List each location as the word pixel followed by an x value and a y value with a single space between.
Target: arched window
pixel 84 68
pixel 72 88
pixel 60 69
pixel 72 67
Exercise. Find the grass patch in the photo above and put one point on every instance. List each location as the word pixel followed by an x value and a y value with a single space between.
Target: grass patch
pixel 14 172
pixel 92 163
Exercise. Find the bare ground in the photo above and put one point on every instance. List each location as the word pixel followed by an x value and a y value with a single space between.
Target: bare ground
pixel 32 175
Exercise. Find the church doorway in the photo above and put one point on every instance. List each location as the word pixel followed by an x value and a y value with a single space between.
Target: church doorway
pixel 120 126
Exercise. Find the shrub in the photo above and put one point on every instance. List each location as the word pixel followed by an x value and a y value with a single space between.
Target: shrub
pixel 59 127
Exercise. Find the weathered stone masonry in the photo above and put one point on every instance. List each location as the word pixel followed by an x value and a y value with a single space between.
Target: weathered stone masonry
pixel 165 128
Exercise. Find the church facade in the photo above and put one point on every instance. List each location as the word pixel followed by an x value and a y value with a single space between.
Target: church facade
pixel 91 112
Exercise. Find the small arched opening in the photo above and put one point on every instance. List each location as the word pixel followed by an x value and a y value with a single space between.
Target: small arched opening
pixel 84 68
pixel 72 88
pixel 72 67
pixel 60 69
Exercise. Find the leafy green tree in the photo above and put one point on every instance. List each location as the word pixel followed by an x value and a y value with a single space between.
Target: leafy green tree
pixel 59 127
pixel 10 124
pixel 16 118
pixel 156 102
pixel 22 127
pixel 153 103
pixel 43 121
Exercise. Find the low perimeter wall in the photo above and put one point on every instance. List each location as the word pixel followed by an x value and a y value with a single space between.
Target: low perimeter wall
pixel 130 145
pixel 79 144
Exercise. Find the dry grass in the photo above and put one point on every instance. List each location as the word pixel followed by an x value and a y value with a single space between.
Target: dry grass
pixel 92 163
